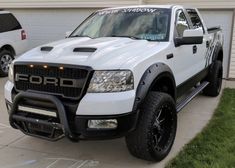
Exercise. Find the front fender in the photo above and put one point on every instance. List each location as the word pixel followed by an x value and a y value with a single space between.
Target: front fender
pixel 149 78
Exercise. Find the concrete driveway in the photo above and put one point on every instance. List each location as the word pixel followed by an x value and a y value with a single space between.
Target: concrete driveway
pixel 18 150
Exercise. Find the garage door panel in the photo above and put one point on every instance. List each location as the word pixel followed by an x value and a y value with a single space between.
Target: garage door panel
pixel 224 20
pixel 46 25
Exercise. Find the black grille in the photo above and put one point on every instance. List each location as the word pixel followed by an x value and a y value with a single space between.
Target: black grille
pixel 68 72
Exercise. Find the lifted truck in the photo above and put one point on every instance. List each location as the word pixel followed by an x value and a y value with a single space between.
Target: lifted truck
pixel 122 72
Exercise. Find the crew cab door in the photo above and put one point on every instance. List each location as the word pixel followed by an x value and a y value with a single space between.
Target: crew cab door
pixel 187 57
pixel 200 55
pixel 183 55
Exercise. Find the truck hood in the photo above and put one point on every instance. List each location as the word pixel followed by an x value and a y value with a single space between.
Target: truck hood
pixel 100 53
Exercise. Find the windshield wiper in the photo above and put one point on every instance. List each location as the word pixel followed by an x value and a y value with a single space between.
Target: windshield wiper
pixel 131 37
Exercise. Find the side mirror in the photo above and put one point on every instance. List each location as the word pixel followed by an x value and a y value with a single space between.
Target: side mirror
pixel 190 36
pixel 67 34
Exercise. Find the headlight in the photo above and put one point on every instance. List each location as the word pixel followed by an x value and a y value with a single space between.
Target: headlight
pixel 11 72
pixel 111 81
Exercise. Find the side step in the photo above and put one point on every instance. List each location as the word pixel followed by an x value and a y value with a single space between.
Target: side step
pixel 190 97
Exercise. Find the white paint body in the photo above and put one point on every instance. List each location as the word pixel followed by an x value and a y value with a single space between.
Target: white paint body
pixel 120 53
pixel 13 38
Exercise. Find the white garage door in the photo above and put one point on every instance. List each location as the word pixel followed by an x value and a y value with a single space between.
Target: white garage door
pixel 46 25
pixel 224 20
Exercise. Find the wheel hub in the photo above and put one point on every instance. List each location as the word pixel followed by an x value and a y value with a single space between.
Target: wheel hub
pixel 5 62
pixel 162 128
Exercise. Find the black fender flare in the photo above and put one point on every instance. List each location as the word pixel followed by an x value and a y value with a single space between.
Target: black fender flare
pixel 218 48
pixel 149 77
pixel 215 56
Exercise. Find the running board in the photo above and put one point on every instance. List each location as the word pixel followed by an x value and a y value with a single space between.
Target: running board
pixel 190 97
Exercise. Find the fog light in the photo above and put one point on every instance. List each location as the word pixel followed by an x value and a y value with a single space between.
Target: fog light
pixel 103 124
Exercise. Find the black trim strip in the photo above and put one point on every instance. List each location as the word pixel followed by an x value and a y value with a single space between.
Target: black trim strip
pixel 214 29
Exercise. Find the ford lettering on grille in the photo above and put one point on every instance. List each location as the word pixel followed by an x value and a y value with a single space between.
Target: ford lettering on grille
pixel 68 82
pixel 38 80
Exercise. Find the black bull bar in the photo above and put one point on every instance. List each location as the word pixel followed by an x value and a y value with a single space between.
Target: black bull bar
pixel 21 122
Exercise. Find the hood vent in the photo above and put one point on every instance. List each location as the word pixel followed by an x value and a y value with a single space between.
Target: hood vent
pixel 46 48
pixel 84 49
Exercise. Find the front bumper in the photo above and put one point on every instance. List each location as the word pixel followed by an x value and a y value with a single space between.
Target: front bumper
pixel 126 123
pixel 92 104
pixel 66 124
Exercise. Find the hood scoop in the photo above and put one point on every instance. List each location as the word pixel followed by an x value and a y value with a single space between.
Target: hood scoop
pixel 46 48
pixel 84 49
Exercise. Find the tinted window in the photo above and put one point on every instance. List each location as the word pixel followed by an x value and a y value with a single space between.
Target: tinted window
pixel 139 23
pixel 196 21
pixel 181 23
pixel 8 23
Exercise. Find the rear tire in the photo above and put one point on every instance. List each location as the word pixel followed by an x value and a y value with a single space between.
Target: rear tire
pixel 6 57
pixel 215 79
pixel 156 129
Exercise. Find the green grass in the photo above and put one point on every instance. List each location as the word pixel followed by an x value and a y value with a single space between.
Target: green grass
pixel 214 147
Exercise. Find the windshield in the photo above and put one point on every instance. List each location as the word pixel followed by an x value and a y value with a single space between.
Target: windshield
pixel 137 23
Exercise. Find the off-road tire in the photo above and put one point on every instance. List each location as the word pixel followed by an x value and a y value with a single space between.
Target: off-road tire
pixel 6 57
pixel 215 79
pixel 142 142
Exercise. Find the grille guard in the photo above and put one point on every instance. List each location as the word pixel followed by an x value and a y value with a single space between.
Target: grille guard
pixel 63 125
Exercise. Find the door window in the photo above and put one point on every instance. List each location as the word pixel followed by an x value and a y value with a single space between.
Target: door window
pixel 181 23
pixel 8 23
pixel 195 19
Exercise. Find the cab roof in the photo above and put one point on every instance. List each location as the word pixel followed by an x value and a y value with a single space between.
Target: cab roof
pixel 3 12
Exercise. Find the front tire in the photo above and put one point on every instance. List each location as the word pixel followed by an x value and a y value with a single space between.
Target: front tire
pixel 6 58
pixel 156 129
pixel 215 79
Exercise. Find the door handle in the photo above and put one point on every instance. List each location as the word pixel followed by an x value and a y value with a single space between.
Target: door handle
pixel 194 49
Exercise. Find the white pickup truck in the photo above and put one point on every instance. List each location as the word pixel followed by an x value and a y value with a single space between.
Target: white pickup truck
pixel 123 72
